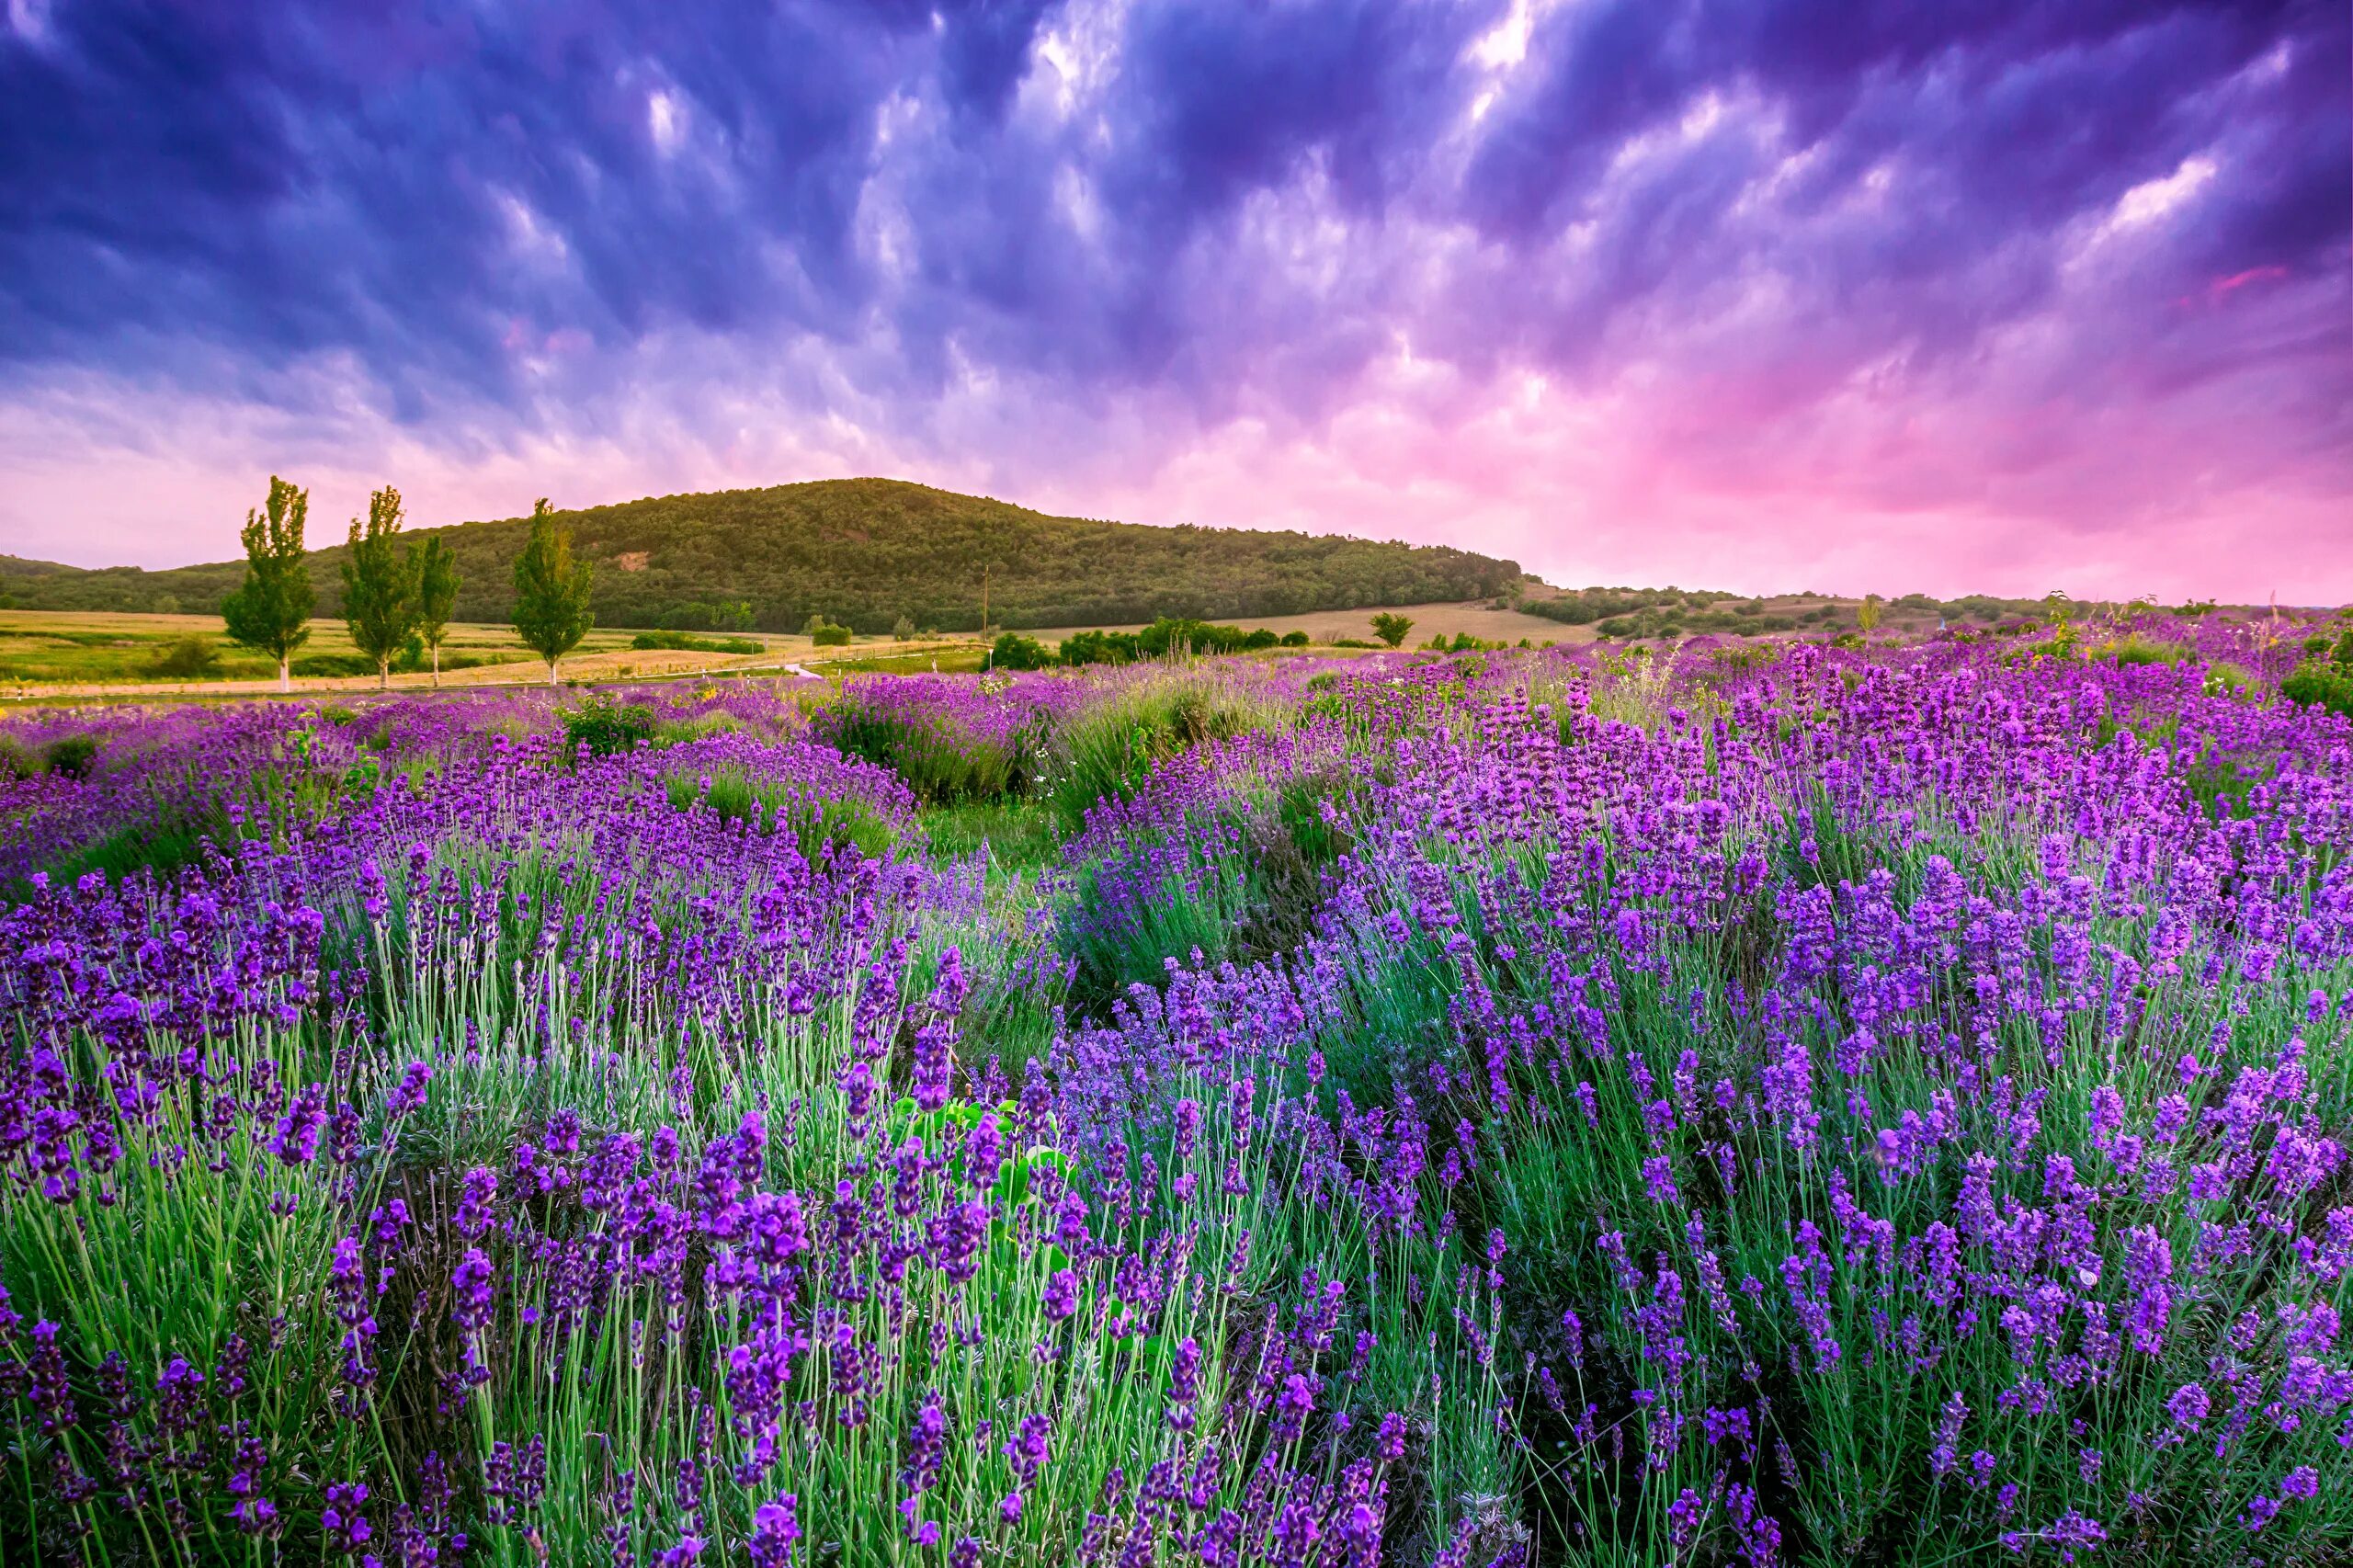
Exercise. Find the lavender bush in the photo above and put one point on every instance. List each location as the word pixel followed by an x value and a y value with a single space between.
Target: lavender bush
pixel 1871 1104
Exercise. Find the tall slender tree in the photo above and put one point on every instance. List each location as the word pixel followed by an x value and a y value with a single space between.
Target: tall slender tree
pixel 551 591
pixel 437 597
pixel 270 612
pixel 380 584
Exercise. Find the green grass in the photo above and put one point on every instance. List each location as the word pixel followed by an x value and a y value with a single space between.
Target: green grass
pixel 963 658
pixel 1108 752
pixel 817 824
pixel 93 648
pixel 1019 837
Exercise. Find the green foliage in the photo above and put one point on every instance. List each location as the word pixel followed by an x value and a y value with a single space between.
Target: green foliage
pixel 185 658
pixel 817 826
pixel 606 725
pixel 1584 606
pixel 1014 651
pixel 1108 751
pixel 333 667
pixel 551 611
pixel 1016 835
pixel 17 759
pixel 1101 648
pixel 726 615
pixel 1391 626
pixel 2224 679
pixel 830 637
pixel 436 596
pixel 2135 648
pixel 941 762
pixel 2316 685
pixel 1170 634
pixel 71 756
pixel 902 628
pixel 270 613
pixel 381 584
pixel 687 642
pixel 870 551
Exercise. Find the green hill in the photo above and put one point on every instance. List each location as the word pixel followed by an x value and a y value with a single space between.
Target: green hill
pixel 862 553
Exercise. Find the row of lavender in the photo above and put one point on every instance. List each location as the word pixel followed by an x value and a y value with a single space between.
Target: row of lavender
pixel 1879 1106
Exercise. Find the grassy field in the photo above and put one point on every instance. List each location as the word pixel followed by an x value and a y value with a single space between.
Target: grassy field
pixel 54 654
pixel 47 654
pixel 1327 626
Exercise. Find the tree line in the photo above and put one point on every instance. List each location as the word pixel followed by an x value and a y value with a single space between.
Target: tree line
pixel 395 592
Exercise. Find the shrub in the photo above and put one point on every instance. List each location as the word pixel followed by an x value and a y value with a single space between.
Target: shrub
pixel 1294 640
pixel 902 628
pixel 1101 648
pixel 687 642
pixel 831 637
pixel 1391 626
pixel 2316 685
pixel 17 759
pixel 1014 652
pixel 606 725
pixel 186 658
pixel 71 756
pixel 333 667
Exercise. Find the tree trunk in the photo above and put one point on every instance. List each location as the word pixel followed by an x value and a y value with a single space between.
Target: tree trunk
pixel 284 672
pixel 437 664
pixel 385 673
pixel 551 664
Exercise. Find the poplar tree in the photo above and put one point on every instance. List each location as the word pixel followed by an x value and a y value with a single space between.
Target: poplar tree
pixel 437 597
pixel 270 613
pixel 380 584
pixel 551 591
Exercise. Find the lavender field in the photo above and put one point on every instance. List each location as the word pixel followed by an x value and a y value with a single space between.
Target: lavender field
pixel 1735 1105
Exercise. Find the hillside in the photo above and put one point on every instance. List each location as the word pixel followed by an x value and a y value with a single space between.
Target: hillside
pixel 863 552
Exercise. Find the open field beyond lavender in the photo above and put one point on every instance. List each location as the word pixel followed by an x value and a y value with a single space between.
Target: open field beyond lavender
pixel 1761 1104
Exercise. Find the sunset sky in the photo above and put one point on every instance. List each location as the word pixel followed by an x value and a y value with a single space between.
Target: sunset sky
pixel 1939 295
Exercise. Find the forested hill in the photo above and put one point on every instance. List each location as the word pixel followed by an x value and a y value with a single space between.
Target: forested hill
pixel 863 552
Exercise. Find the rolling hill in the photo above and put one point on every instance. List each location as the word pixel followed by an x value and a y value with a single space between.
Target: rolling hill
pixel 862 553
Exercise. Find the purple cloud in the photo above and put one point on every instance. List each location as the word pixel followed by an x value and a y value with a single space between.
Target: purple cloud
pixel 1655 289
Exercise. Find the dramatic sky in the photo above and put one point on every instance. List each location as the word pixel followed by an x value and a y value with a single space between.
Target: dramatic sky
pixel 1940 295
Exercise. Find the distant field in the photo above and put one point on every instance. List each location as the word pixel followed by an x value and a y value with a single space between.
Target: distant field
pixel 1429 620
pixel 46 654
pixel 73 652
pixel 50 653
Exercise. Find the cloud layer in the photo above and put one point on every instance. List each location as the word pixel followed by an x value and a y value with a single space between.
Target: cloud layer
pixel 1818 294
